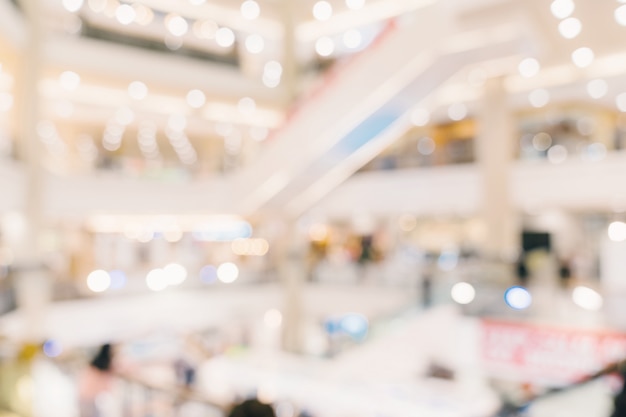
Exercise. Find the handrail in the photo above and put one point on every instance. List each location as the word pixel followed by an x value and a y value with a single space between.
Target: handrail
pixel 509 409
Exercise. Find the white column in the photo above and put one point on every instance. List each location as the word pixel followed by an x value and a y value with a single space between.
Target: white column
pixel 31 279
pixel 495 151
pixel 292 274
pixel 290 65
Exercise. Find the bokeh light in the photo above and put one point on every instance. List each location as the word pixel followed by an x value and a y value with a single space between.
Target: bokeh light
pixel 587 298
pixel 322 10
pixel 137 90
pixel 250 10
pixel 426 146
pixel 72 6
pixel 355 325
pixel 324 46
pixel 620 15
pixel 255 43
pixel 597 88
pixel 98 281
pixel 69 80
pixel 562 8
pixel 227 272
pixel 355 4
pixel 176 274
pixel 529 67
pixel 196 98
pixel 617 231
pixel 156 280
pixel 539 97
pixel 225 37
pixel 463 293
pixel 273 318
pixel 420 116
pixel 582 57
pixel 208 274
pixel 118 279
pixel 570 28
pixel 557 154
pixel 457 111
pixel 176 25
pixel 125 14
pixel 52 348
pixel 518 298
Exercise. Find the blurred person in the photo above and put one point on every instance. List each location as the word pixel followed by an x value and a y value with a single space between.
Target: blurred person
pixel 252 408
pixel 96 380
pixel 619 401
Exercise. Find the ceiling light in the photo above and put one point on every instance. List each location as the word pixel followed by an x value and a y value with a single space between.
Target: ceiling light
pixel 227 272
pixel 620 15
pixel 125 14
pixel 587 298
pixel 173 43
pixel 97 6
pixel 617 231
pixel 205 29
pixel 426 146
pixel 98 281
pixel 255 44
pixel 542 141
pixel 562 8
pixel 420 116
pixel 528 68
pixel 156 280
pixel 246 106
pixel 270 82
pixel 69 80
pixel 273 69
pixel 597 88
pixel 110 8
pixel 518 298
pixel 582 57
pixel 557 154
pixel 324 46
pixel 196 99
pixel 457 111
pixel 137 90
pixel 355 4
pixel 539 97
pixel 72 5
pixel 176 25
pixel 352 39
pixel 620 101
pixel 322 10
pixel 463 293
pixel 143 14
pixel 175 274
pixel 225 37
pixel 250 9
pixel 570 28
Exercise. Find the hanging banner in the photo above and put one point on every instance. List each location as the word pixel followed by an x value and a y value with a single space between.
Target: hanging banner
pixel 556 355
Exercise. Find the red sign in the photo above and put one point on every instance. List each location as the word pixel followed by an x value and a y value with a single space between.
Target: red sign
pixel 537 353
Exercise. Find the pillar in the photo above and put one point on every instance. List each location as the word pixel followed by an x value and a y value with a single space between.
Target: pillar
pixel 290 66
pixel 30 276
pixel 495 148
